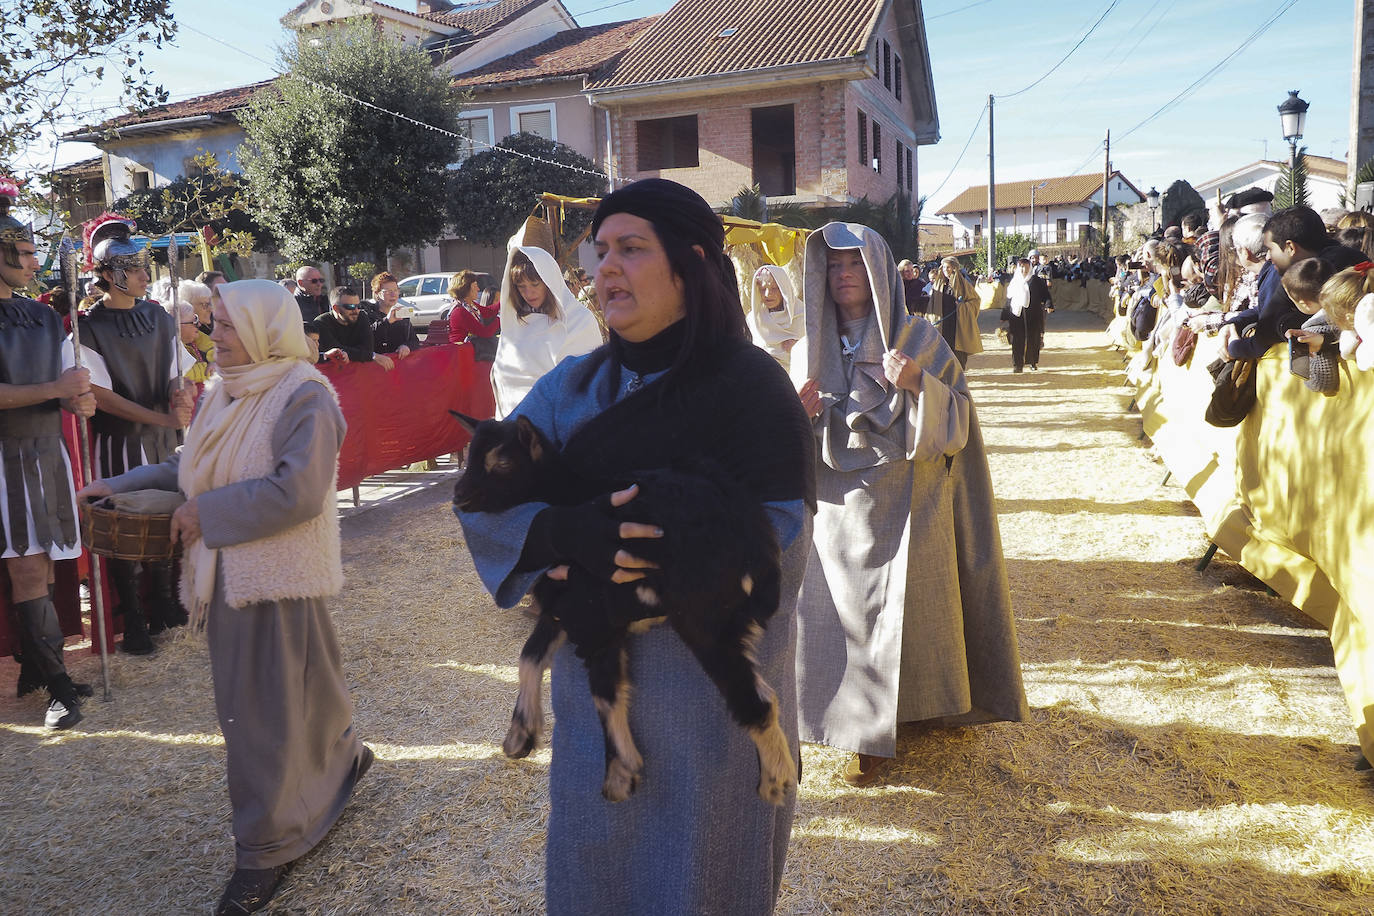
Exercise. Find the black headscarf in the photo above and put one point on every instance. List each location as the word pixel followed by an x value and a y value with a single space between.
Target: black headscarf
pixel 669 205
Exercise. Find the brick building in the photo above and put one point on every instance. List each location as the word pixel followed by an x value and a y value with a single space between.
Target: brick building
pixel 822 102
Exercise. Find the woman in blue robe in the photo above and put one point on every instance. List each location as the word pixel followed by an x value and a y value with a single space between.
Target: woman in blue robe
pixel 677 378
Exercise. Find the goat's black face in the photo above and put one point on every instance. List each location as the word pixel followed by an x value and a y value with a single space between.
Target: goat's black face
pixel 502 466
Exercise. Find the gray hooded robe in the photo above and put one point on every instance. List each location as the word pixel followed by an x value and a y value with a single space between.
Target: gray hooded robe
pixel 904 612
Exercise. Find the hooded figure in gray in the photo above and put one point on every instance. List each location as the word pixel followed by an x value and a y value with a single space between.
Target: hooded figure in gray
pixel 904 613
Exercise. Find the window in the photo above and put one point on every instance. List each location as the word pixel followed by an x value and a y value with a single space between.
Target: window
pixel 476 129
pixel 409 287
pixel 534 119
pixel 140 180
pixel 863 138
pixel 897 76
pixel 667 143
pixel 910 172
pixel 1061 230
pixel 887 65
pixel 877 147
pixel 900 159
pixel 433 286
pixel 977 232
pixel 775 149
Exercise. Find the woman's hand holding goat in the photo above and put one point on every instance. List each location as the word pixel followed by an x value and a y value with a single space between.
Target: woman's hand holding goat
pixel 590 536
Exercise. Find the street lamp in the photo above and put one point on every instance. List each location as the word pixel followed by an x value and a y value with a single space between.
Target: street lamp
pixel 1293 115
pixel 1034 188
pixel 1152 199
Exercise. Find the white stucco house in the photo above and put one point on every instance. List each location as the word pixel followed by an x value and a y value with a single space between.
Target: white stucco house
pixel 1325 180
pixel 1051 210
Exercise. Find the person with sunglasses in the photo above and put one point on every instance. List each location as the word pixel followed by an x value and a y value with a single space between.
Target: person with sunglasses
pixel 310 293
pixel 343 337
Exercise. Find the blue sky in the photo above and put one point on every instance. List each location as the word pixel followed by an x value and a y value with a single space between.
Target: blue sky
pixel 979 47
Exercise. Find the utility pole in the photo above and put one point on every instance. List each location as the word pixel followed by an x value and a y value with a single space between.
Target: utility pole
pixel 1106 184
pixel 992 199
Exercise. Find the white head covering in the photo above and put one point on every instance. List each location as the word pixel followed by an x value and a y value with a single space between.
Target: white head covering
pixel 531 346
pixel 268 323
pixel 772 329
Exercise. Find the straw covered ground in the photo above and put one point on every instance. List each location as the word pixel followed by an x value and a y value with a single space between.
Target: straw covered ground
pixel 1188 749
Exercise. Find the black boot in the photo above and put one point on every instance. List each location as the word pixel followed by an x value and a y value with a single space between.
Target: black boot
pixel 124 574
pixel 64 709
pixel 164 610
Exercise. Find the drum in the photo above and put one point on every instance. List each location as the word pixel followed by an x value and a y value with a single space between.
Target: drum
pixel 131 526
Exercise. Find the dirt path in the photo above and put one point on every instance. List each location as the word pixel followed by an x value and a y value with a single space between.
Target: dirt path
pixel 1188 750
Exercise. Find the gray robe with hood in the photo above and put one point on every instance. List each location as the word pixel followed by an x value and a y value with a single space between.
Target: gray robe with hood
pixel 904 612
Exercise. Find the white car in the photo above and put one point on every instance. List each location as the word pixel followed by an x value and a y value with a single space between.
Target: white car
pixel 428 295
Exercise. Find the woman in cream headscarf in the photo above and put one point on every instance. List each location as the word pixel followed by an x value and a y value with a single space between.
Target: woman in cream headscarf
pixel 776 318
pixel 542 324
pixel 261 539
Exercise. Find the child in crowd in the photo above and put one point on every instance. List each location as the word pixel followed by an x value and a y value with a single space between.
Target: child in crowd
pixel 1314 354
pixel 1348 299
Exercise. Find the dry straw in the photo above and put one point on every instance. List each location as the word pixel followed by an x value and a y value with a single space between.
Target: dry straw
pixel 1188 750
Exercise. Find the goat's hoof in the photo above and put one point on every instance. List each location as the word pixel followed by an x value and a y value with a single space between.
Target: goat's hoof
pixel 621 781
pixel 773 788
pixel 519 741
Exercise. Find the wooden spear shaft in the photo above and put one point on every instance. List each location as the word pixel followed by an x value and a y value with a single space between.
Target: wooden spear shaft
pixel 87 462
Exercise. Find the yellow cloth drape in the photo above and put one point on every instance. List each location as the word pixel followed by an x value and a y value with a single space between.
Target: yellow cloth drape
pixel 1289 494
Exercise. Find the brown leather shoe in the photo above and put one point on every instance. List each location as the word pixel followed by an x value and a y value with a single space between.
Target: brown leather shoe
pixel 865 770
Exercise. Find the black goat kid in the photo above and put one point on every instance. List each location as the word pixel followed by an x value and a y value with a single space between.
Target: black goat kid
pixel 718 582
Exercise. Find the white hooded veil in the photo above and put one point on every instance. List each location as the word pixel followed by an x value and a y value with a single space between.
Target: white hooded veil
pixel 530 347
pixel 772 329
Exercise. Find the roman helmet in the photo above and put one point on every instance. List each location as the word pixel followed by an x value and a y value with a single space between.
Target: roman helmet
pixel 11 230
pixel 109 245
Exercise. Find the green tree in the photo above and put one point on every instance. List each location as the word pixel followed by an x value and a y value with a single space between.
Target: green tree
pixel 495 190
pixel 52 51
pixel 332 176
pixel 211 196
pixel 1291 189
pixel 1009 245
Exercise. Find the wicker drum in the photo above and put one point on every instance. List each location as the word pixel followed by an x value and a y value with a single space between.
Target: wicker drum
pixel 123 535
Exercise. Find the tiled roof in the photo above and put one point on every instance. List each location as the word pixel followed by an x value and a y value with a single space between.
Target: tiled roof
pixel 478 17
pixel 570 53
pixel 1015 195
pixel 695 38
pixel 222 102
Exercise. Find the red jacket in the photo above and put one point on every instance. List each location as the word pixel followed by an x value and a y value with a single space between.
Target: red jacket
pixel 462 322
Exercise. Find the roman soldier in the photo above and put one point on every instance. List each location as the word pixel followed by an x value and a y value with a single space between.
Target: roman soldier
pixel 129 343
pixel 38 523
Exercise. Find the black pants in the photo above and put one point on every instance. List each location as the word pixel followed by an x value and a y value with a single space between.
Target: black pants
pixel 1027 331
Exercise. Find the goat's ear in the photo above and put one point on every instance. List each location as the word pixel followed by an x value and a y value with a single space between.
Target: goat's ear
pixel 468 423
pixel 529 437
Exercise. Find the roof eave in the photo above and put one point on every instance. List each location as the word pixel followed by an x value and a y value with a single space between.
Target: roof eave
pixel 148 127
pixel 521 83
pixel 721 84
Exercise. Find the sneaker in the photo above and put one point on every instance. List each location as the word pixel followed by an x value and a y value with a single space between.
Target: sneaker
pixel 61 715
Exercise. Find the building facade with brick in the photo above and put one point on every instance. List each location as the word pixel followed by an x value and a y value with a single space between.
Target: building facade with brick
pixel 819 103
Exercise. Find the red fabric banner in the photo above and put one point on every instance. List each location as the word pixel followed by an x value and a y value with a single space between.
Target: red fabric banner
pixel 401 416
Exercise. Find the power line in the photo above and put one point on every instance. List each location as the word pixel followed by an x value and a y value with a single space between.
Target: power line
pixel 958 10
pixel 960 158
pixel 1216 68
pixel 1085 37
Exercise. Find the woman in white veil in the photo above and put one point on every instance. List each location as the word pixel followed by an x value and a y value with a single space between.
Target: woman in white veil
pixel 542 324
pixel 776 317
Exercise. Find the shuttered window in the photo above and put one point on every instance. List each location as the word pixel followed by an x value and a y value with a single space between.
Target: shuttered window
pixel 536 122
pixel 476 135
pixel 863 138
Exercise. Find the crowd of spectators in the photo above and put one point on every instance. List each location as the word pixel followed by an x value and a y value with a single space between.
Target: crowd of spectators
pixel 1257 278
